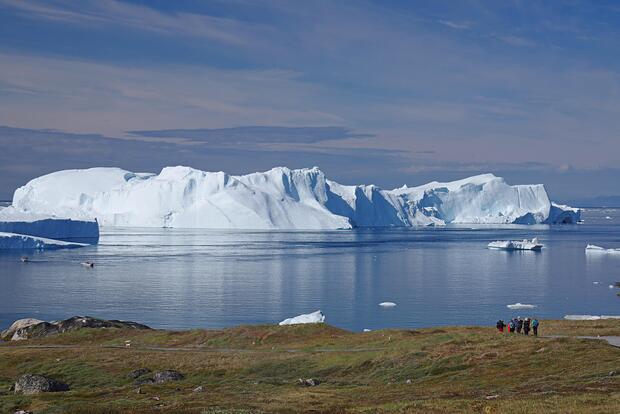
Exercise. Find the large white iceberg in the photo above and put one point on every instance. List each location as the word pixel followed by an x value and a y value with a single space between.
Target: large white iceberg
pixel 49 226
pixel 314 317
pixel 279 199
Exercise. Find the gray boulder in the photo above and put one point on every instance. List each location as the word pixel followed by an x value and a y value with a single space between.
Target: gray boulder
pixel 136 373
pixel 168 375
pixel 308 382
pixel 35 384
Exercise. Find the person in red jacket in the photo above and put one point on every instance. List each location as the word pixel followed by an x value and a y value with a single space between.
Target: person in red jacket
pixel 500 326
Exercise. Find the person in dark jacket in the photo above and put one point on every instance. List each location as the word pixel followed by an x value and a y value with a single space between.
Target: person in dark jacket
pixel 526 326
pixel 512 325
pixel 500 326
pixel 535 326
pixel 519 324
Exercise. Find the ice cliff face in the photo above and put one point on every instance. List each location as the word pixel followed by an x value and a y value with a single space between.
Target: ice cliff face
pixel 279 199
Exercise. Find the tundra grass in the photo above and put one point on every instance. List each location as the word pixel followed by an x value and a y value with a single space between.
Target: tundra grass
pixel 254 369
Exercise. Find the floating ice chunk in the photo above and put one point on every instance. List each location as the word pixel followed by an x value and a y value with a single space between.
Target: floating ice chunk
pixel 314 317
pixel 592 248
pixel 533 244
pixel 68 227
pixel 608 218
pixel 22 241
pixel 366 330
pixel 520 305
pixel 589 317
pixel 387 304
pixel 596 283
pixel 611 286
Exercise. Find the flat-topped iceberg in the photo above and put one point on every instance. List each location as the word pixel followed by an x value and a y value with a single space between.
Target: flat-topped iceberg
pixel 279 199
pixel 77 230
pixel 533 244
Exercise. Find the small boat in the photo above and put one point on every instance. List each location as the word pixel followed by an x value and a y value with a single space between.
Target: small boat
pixel 24 259
pixel 88 264
pixel 525 244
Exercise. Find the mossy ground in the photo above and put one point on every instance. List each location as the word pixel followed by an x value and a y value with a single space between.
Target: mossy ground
pixel 254 369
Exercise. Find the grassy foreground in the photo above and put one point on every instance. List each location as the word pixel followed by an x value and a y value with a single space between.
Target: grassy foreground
pixel 255 368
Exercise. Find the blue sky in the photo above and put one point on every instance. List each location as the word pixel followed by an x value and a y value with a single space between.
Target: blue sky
pixel 387 92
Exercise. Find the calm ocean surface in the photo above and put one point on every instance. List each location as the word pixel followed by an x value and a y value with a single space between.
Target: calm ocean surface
pixel 173 278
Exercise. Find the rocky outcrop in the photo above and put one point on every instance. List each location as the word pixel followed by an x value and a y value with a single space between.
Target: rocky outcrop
pixel 168 375
pixel 10 333
pixel 35 384
pixel 33 328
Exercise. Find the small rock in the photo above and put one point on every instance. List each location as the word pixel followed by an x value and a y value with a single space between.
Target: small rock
pixel 540 350
pixel 308 382
pixel 198 389
pixel 138 390
pixel 136 373
pixel 23 412
pixel 34 384
pixel 491 397
pixel 488 355
pixel 143 381
pixel 168 375
pixel 156 398
pixel 613 373
pixel 408 381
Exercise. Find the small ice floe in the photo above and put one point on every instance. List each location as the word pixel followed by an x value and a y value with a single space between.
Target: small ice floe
pixel 88 264
pixel 387 304
pixel 592 248
pixel 596 283
pixel 366 330
pixel 589 317
pixel 520 305
pixel 608 218
pixel 314 317
pixel 24 259
pixel 525 244
pixel 611 286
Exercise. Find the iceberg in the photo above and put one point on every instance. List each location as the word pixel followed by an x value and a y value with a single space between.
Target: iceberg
pixel 589 317
pixel 49 226
pixel 314 317
pixel 591 248
pixel 520 305
pixel 517 245
pixel 25 242
pixel 280 198
pixel 387 304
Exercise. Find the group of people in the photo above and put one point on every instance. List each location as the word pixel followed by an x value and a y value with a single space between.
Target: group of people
pixel 519 325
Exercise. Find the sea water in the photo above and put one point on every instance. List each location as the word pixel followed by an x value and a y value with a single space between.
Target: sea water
pixel 182 278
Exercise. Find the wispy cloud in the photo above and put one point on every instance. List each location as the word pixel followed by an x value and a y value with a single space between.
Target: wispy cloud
pixel 89 13
pixel 456 25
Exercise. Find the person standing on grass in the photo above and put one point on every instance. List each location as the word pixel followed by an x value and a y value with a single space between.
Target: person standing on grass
pixel 512 326
pixel 500 326
pixel 535 326
pixel 519 324
pixel 526 326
